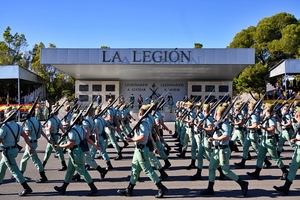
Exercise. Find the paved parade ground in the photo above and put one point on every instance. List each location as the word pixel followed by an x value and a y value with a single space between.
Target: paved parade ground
pixel 179 183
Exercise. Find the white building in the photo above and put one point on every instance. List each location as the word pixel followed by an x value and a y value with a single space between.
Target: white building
pixel 150 72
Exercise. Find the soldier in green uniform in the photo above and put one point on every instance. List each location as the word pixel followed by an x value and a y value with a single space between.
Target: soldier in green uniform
pixel 100 124
pixel 295 164
pixel 251 135
pixel 287 128
pixel 221 154
pixel 76 162
pixel 238 117
pixel 110 129
pixel 10 133
pixel 33 129
pixel 140 160
pixel 268 144
pixel 52 131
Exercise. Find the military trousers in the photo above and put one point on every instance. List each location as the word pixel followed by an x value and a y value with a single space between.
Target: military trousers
pixel 8 160
pixel 58 150
pixel 295 164
pixel 76 163
pixel 285 135
pixel 220 157
pixel 268 146
pixel 238 134
pixel 112 138
pixel 34 157
pixel 141 162
pixel 189 137
pixel 251 139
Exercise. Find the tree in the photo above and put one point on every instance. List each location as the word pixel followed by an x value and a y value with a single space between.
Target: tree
pixel 11 49
pixel 57 83
pixel 274 38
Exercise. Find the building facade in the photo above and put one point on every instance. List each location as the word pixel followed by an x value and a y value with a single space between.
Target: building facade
pixel 177 73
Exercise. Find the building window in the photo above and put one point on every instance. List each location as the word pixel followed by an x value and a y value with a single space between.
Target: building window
pixel 209 88
pixel 83 88
pixel 83 98
pixel 196 88
pixel 223 88
pixel 97 88
pixel 110 88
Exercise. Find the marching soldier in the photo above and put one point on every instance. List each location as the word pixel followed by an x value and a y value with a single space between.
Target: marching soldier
pixel 220 156
pixel 10 133
pixel 287 128
pixel 268 144
pixel 52 128
pixel 140 160
pixel 75 138
pixel 238 125
pixel 295 164
pixel 33 129
pixel 251 135
pixel 110 129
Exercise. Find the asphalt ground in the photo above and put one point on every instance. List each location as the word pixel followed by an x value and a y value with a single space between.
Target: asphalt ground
pixel 179 184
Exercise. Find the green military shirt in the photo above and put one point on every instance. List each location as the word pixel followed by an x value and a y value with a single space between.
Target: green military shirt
pixel 6 135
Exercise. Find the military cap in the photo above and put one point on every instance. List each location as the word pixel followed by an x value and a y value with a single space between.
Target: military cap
pixel 188 103
pixel 269 106
pixel 298 109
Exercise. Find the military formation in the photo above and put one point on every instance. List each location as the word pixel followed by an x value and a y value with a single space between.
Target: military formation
pixel 212 129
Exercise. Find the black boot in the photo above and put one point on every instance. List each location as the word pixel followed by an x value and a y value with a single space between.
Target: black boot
pixel 119 157
pixel 285 188
pixel 284 173
pixel 162 190
pixel 76 177
pixel 163 174
pixel 64 166
pixel 102 171
pixel 181 155
pixel 244 186
pixel 268 164
pixel 198 175
pixel 209 190
pixel 255 174
pixel 128 191
pixel 278 153
pixel 62 189
pixel 241 165
pixel 125 144
pixel 167 164
pixel 93 191
pixel 87 167
pixel 109 166
pixel 222 176
pixel 43 178
pixel 167 147
pixel 27 190
pixel 192 165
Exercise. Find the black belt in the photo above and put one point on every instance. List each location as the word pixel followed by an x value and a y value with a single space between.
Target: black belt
pixel 57 134
pixel 221 146
pixel 33 141
pixel 286 128
pixel 140 146
pixel 11 147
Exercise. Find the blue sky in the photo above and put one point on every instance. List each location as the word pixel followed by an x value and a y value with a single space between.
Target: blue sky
pixel 137 23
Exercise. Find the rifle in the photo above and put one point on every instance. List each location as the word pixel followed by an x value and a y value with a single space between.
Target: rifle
pixel 54 111
pixel 30 112
pixel 186 112
pixel 79 116
pixel 75 106
pixel 254 109
pixel 106 108
pixel 9 118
